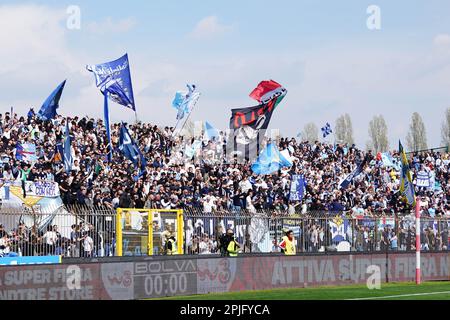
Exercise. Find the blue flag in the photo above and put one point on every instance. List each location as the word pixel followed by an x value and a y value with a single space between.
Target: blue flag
pixel 108 127
pixel 298 185
pixel 270 160
pixel 48 109
pixel 184 102
pixel 211 132
pixel 114 78
pixel 344 184
pixel 130 149
pixel 67 152
pixel 326 130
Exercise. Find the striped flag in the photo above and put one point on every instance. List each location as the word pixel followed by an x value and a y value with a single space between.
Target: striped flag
pixel 406 185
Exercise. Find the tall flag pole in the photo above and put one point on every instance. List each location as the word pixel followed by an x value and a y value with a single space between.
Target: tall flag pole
pixel 108 126
pixel 407 190
pixel 67 149
pixel 418 241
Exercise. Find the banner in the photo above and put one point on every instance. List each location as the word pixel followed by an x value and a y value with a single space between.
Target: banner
pixel 423 179
pixel 298 185
pixel 338 228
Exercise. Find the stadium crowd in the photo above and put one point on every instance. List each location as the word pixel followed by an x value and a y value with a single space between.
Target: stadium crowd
pixel 173 180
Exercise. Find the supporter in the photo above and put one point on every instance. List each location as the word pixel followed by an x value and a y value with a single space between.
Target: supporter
pixel 210 184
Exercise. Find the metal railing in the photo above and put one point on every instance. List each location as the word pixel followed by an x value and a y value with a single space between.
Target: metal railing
pixel 69 231
pixel 87 231
pixel 314 232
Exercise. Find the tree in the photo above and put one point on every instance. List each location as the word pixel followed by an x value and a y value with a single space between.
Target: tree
pixel 416 139
pixel 378 134
pixel 344 129
pixel 445 131
pixel 310 133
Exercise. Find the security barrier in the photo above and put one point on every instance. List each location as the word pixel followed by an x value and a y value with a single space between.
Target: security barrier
pixel 83 231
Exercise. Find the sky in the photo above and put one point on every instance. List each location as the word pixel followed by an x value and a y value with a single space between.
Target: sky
pixel 322 51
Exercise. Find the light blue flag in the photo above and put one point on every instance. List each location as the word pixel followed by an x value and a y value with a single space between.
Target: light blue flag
pixel 184 102
pixel 115 78
pixel 67 152
pixel 270 160
pixel 211 132
pixel 388 161
pixel 48 109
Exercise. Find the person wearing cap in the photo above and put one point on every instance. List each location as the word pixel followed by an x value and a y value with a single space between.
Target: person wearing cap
pixel 233 247
pixel 287 244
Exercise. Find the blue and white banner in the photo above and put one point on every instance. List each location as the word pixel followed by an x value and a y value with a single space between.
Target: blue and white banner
pixel 298 185
pixel 114 78
pixel 423 179
pixel 338 228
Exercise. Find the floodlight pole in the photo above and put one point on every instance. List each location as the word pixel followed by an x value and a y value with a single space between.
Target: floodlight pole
pixel 417 240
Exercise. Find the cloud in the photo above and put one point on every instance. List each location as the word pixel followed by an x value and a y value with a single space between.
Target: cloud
pixel 209 28
pixel 442 40
pixel 109 26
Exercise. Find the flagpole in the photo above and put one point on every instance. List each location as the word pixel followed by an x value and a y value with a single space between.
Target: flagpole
pixel 187 118
pixel 418 240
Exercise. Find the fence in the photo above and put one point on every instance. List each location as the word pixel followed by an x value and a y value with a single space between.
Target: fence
pixel 70 231
pixel 81 231
pixel 314 232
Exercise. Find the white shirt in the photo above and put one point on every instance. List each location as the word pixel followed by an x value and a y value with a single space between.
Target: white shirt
pixel 88 244
pixel 50 237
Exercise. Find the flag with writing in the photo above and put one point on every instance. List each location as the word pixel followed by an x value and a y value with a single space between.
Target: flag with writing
pixel 115 78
